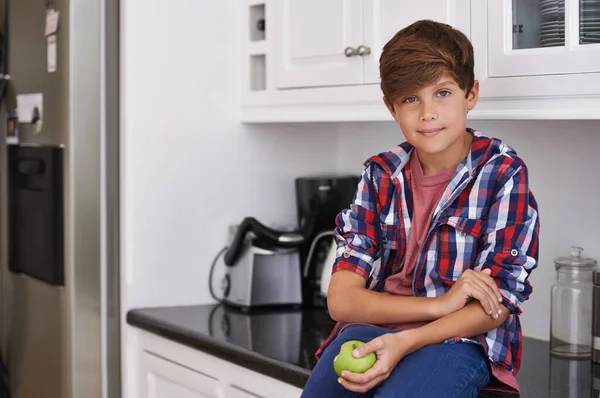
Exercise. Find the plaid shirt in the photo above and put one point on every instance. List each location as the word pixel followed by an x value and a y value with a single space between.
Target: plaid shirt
pixel 487 218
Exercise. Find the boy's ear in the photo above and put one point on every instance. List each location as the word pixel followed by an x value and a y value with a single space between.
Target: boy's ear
pixel 390 108
pixel 473 95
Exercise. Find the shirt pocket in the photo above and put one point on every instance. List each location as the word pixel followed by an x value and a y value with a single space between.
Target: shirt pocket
pixel 458 246
pixel 389 236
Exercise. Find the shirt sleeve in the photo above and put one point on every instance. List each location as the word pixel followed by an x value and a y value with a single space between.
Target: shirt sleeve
pixel 356 232
pixel 510 241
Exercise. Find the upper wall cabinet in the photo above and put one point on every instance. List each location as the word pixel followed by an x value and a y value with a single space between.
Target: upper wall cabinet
pixel 313 60
pixel 531 38
pixel 537 58
pixel 316 43
pixel 338 42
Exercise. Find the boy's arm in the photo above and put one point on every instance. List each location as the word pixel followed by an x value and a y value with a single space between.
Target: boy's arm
pixel 510 245
pixel 467 322
pixel 349 301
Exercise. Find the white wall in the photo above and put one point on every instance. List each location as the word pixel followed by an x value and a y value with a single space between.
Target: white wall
pixel 189 168
pixel 563 161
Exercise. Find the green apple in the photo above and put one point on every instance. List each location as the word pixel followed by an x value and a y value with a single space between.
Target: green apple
pixel 345 361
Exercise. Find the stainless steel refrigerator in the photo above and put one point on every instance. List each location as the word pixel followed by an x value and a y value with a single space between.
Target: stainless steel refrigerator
pixel 60 339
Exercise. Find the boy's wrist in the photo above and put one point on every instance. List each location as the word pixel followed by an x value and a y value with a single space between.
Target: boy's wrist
pixel 411 340
pixel 438 308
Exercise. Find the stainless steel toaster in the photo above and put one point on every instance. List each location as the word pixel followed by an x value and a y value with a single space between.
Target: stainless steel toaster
pixel 264 278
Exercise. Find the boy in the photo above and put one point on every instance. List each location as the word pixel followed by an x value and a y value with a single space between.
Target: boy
pixel 435 252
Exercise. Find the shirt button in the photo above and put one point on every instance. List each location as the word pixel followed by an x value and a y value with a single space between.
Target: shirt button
pixel 463 234
pixel 346 255
pixel 514 252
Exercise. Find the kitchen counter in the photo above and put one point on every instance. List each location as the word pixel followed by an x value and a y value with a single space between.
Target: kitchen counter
pixel 282 345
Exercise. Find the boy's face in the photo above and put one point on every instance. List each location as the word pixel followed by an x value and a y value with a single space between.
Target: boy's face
pixel 434 118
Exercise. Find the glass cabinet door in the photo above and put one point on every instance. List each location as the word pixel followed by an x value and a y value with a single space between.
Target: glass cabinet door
pixel 538 23
pixel 589 21
pixel 543 37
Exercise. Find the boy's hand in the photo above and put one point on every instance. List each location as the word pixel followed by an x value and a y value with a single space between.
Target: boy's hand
pixel 389 348
pixel 472 285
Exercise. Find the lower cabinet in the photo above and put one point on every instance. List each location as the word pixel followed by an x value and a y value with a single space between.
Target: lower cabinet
pixel 164 378
pixel 171 370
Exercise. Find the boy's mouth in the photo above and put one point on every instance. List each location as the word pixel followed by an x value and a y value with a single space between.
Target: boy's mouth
pixel 430 132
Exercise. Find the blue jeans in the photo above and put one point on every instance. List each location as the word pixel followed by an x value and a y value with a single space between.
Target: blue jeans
pixel 439 370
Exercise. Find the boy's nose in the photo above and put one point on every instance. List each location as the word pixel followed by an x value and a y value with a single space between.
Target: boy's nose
pixel 428 113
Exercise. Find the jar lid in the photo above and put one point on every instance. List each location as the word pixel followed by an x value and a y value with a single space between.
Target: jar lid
pixel 575 260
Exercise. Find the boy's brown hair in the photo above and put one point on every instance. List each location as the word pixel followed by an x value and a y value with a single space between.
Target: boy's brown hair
pixel 420 54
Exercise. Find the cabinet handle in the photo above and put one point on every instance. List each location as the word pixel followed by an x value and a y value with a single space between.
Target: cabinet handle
pixel 363 50
pixel 350 52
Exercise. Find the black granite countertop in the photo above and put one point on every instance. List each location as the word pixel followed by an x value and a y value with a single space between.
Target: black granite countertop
pixel 282 345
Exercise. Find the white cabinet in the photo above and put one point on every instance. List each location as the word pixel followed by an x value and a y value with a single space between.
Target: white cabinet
pixel 237 392
pixel 528 38
pixel 534 59
pixel 319 60
pixel 338 42
pixel 171 370
pixel 164 378
pixel 311 39
pixel 537 58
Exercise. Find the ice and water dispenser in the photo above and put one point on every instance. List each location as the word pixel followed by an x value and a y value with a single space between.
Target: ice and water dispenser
pixel 36 212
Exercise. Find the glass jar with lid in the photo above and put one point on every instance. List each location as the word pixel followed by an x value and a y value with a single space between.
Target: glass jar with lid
pixel 572 300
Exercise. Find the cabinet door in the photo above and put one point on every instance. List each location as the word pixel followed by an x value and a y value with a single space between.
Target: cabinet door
pixel 262 389
pixel 237 392
pixel 543 37
pixel 246 383
pixel 311 38
pixel 384 18
pixel 166 379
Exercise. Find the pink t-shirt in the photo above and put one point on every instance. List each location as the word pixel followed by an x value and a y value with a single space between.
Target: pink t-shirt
pixel 427 191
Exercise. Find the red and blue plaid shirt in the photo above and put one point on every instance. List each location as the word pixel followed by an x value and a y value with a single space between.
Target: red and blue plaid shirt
pixel 487 218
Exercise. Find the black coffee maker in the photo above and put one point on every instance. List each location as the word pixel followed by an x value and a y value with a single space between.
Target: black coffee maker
pixel 319 199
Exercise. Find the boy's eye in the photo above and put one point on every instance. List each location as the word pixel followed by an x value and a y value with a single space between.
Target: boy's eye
pixel 409 100
pixel 443 93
